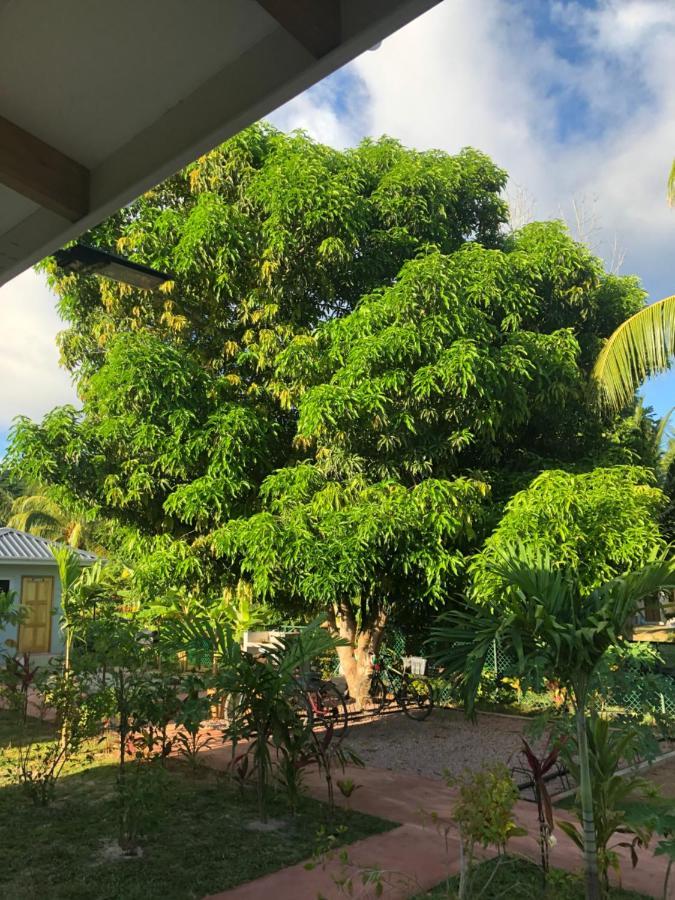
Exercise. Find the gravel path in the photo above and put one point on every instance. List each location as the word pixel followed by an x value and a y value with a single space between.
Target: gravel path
pixel 445 741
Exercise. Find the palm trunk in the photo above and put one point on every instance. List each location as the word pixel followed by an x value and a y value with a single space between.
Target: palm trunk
pixel 364 639
pixel 66 675
pixel 586 797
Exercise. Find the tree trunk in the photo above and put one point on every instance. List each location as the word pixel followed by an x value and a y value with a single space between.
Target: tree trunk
pixel 355 657
pixel 586 798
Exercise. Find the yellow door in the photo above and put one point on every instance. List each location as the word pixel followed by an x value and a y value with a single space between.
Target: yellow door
pixel 36 600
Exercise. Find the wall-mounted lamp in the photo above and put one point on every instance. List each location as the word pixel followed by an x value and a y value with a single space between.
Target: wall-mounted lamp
pixel 87 260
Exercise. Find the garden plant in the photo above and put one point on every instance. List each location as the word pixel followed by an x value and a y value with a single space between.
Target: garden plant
pixel 556 627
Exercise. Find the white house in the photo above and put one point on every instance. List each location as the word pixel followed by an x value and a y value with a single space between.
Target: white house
pixel 28 568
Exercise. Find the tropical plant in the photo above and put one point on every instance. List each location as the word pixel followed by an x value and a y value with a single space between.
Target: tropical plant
pixel 671 185
pixel 139 794
pixel 194 708
pixel 608 750
pixel 264 700
pixel 484 814
pixel 664 825
pixel 37 512
pixel 79 586
pixel 554 626
pixel 267 707
pixel 599 523
pixel 540 768
pixel 37 766
pixel 16 679
pixel 326 749
pixel 157 705
pixel 37 769
pixel 641 346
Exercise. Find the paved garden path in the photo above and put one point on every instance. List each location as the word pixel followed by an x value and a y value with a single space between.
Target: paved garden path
pixel 421 852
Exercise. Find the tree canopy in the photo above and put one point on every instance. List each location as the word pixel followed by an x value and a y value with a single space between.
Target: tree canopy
pixel 353 367
pixel 600 524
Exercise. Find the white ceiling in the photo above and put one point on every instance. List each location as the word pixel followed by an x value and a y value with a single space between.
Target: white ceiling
pixel 137 60
pixel 134 90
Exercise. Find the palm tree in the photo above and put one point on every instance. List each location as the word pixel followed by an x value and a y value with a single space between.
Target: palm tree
pixel 553 628
pixel 79 586
pixel 641 346
pixel 41 515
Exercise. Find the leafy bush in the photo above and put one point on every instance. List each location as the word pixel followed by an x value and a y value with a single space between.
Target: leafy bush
pixel 484 814
pixel 36 769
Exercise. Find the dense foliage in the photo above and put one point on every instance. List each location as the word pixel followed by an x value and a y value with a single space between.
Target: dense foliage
pixel 351 371
pixel 601 523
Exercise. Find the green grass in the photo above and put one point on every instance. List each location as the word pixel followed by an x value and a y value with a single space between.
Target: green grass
pixel 518 878
pixel 17 734
pixel 198 843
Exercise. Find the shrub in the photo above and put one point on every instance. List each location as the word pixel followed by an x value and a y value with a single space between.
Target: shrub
pixel 484 814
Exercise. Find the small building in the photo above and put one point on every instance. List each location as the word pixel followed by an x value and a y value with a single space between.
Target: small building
pixel 28 568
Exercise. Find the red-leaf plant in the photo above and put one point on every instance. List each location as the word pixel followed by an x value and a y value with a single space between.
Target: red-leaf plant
pixel 539 769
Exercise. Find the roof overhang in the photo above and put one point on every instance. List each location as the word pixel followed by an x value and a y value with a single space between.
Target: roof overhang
pixel 22 561
pixel 99 102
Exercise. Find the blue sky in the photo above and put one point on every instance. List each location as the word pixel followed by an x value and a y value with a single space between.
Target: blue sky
pixel 576 100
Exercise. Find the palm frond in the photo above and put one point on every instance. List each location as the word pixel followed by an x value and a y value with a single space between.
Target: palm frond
pixel 621 596
pixel 641 346
pixel 68 566
pixel 662 428
pixel 298 650
pixel 460 642
pixel 37 514
pixel 531 572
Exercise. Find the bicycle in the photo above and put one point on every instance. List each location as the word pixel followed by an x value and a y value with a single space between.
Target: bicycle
pixel 322 704
pixel 407 687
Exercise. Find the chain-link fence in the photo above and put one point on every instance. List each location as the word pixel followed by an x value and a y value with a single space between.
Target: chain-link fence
pixel 648 697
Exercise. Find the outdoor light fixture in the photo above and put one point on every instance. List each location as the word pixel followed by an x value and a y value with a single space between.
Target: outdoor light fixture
pixel 87 260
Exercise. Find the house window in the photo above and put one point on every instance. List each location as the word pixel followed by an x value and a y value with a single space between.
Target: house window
pixel 4 586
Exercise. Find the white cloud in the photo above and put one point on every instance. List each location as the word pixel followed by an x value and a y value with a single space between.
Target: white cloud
pixel 620 25
pixel 32 382
pixel 332 112
pixel 597 125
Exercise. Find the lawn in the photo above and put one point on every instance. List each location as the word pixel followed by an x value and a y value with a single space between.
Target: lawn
pixel 522 879
pixel 200 841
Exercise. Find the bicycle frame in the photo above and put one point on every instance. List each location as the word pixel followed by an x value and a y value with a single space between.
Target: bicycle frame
pixel 391 677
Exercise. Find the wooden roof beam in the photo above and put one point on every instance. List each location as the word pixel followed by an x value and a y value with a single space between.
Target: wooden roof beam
pixel 316 24
pixel 38 171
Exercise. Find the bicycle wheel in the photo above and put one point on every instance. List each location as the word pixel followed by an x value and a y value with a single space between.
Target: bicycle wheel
pixel 304 708
pixel 330 710
pixel 416 698
pixel 377 696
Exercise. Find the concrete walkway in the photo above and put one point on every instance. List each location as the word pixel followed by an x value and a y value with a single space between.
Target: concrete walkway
pixel 406 861
pixel 419 854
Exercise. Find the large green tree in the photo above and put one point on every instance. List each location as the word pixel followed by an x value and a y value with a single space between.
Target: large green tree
pixel 352 354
